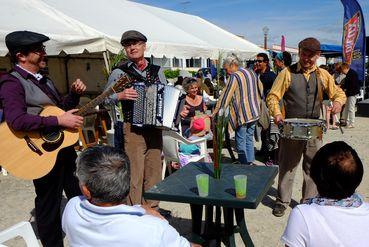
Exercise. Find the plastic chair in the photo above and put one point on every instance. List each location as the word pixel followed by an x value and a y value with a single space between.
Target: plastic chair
pixel 89 126
pixel 171 141
pixel 3 171
pixel 110 137
pixel 23 229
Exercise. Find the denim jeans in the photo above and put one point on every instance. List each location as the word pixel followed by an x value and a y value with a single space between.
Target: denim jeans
pixel 245 143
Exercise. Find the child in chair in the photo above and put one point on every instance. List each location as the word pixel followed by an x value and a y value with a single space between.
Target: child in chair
pixel 200 128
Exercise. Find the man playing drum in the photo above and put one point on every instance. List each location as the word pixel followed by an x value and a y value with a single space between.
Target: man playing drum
pixel 301 86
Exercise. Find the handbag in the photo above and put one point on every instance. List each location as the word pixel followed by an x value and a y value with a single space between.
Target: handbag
pixel 264 117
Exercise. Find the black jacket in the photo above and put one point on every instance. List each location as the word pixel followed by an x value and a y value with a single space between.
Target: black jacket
pixel 267 78
pixel 351 84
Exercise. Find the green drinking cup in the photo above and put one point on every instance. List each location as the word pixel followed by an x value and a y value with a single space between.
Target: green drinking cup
pixel 202 181
pixel 240 184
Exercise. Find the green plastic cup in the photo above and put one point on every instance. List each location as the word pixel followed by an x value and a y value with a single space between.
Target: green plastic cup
pixel 240 184
pixel 202 181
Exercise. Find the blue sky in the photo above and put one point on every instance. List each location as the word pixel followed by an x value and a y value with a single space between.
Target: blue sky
pixel 295 19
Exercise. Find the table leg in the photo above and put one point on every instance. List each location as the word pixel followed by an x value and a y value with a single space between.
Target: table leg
pixel 209 224
pixel 240 219
pixel 218 226
pixel 196 214
pixel 229 227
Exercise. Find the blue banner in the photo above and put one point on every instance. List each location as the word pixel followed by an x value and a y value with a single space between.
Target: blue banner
pixel 353 39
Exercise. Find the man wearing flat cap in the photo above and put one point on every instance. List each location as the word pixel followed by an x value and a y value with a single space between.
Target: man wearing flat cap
pixel 23 93
pixel 300 87
pixel 143 145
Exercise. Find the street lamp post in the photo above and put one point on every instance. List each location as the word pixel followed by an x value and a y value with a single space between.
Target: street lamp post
pixel 265 31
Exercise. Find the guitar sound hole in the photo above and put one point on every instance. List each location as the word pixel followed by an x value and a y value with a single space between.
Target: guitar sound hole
pixel 51 146
pixel 51 135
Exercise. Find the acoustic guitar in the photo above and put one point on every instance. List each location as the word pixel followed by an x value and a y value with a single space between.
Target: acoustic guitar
pixel 32 154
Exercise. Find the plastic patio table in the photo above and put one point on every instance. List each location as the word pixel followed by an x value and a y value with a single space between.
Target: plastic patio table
pixel 181 187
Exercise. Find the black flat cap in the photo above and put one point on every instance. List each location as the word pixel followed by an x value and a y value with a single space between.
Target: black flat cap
pixel 19 39
pixel 132 35
pixel 310 44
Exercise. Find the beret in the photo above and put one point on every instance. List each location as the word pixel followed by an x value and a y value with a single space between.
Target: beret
pixel 132 35
pixel 19 39
pixel 310 44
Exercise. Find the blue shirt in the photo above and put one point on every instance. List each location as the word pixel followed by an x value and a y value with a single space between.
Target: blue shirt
pixel 86 224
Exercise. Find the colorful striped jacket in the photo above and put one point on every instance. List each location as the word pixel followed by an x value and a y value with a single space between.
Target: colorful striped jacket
pixel 242 97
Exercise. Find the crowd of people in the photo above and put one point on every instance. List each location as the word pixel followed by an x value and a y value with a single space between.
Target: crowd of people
pixel 106 203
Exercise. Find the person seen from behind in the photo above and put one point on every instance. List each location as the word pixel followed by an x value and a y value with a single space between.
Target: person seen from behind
pixel 337 216
pixel 101 217
pixel 351 86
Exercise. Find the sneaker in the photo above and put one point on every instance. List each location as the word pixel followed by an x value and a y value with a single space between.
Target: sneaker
pixel 278 210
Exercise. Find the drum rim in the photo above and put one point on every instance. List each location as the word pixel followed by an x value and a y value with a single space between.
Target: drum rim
pixel 308 121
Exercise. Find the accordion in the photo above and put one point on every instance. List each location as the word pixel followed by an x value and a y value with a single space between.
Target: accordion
pixel 157 105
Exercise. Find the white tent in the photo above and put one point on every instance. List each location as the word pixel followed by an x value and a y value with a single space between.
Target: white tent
pixel 116 16
pixel 96 25
pixel 66 34
pixel 170 33
pixel 222 40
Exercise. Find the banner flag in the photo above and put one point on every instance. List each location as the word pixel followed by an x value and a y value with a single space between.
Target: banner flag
pixel 353 39
pixel 283 43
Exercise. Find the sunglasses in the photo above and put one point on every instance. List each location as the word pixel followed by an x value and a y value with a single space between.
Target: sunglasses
pixel 259 61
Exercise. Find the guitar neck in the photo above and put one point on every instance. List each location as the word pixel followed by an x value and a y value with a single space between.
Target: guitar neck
pixel 93 103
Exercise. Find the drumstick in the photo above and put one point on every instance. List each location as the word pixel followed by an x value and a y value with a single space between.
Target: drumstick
pixel 336 118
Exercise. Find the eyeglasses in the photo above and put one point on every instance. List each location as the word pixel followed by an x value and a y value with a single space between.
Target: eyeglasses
pixel 259 61
pixel 134 43
pixel 38 49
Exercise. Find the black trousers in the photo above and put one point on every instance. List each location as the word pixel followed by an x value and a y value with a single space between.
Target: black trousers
pixel 49 191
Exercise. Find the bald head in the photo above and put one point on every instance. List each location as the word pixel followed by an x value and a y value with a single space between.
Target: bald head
pixel 336 170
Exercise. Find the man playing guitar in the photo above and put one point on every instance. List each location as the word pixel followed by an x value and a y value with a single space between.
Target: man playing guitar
pixel 23 93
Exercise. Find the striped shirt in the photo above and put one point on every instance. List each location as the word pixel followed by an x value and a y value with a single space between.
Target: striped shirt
pixel 241 95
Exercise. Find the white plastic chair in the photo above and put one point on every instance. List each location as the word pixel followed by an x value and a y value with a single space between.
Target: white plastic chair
pixel 4 172
pixel 89 126
pixel 171 141
pixel 23 229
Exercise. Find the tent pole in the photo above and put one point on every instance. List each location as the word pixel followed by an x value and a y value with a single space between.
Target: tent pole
pixel 106 61
pixel 66 59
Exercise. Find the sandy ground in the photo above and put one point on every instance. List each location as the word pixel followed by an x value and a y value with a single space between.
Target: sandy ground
pixel 17 198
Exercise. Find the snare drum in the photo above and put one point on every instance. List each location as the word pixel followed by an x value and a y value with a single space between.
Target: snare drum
pixel 302 129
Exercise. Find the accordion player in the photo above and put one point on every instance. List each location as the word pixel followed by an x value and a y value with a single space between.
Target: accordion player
pixel 157 105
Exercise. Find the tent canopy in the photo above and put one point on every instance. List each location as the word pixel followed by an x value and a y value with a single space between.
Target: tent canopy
pixel 66 34
pixel 331 50
pixel 93 25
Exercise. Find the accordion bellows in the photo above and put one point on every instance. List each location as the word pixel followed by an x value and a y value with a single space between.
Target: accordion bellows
pixel 157 105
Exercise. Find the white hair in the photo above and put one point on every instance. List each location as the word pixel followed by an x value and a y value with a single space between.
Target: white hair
pixel 231 59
